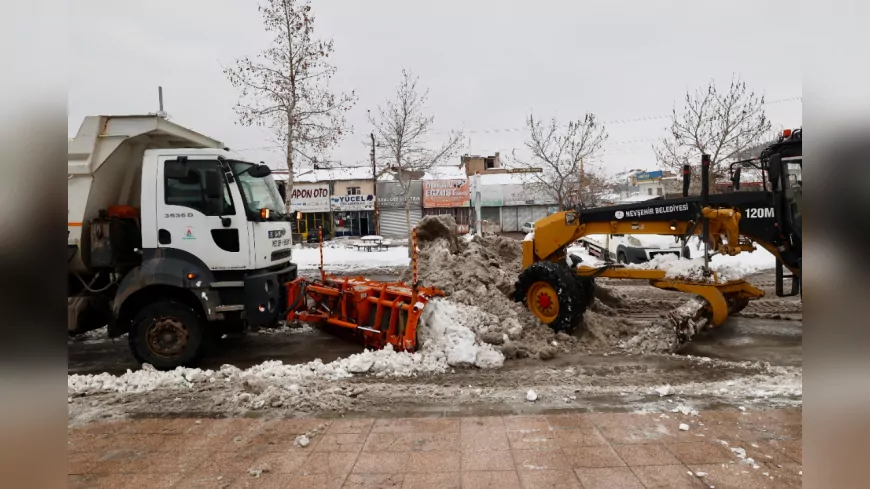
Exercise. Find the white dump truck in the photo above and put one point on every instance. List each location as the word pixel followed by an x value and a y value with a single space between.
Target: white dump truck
pixel 173 239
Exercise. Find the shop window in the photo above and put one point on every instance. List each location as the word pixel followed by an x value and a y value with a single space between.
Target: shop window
pixel 354 191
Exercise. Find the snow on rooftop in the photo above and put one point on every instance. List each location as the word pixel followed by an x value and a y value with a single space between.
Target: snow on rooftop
pixel 638 198
pixel 335 174
pixel 446 172
pixel 503 179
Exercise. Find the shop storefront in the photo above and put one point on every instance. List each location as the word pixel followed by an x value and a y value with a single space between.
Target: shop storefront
pixel 450 197
pixel 391 208
pixel 312 201
pixel 522 204
pixel 353 215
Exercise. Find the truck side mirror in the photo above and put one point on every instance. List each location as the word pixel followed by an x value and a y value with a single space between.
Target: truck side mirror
pixel 774 170
pixel 282 191
pixel 213 185
pixel 735 179
pixel 260 171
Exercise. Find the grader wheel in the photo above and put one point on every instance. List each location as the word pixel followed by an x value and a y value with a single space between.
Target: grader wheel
pixel 551 292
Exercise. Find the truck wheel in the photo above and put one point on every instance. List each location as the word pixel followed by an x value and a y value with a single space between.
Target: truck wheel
pixel 552 293
pixel 620 258
pixel 166 335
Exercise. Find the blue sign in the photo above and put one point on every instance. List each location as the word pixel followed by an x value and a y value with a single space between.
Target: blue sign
pixel 651 175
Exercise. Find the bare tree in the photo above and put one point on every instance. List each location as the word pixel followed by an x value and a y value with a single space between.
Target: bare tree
pixel 566 155
pixel 286 87
pixel 401 127
pixel 723 125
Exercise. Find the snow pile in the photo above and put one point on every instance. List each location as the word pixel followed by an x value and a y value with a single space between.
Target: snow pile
pixel 693 269
pixel 449 333
pixel 481 274
pixel 339 258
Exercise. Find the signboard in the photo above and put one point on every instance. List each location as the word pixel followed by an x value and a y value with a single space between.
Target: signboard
pixel 309 197
pixel 514 194
pixel 491 196
pixel 390 195
pixel 525 170
pixel 446 193
pixel 353 202
pixel 650 175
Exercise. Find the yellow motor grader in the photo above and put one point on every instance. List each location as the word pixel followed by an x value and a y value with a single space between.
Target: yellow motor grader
pixel 557 288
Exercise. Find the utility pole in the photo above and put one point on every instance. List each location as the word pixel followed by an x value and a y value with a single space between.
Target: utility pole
pixel 375 187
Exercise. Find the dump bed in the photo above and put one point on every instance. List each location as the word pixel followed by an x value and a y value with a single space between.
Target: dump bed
pixel 105 162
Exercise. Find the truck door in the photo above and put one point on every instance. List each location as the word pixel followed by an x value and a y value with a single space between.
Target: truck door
pixel 200 213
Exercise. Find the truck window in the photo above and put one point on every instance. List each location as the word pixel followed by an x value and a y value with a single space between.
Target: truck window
pixel 190 191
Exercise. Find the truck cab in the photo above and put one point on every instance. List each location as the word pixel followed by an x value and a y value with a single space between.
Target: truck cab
pixel 172 238
pixel 629 248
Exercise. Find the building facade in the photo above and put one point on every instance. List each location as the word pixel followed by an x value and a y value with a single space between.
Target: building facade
pixel 391 208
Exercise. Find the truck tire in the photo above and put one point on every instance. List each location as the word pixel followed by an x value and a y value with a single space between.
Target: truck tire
pixel 620 258
pixel 552 293
pixel 167 334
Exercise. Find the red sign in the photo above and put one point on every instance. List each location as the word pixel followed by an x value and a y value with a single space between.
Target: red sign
pixel 446 193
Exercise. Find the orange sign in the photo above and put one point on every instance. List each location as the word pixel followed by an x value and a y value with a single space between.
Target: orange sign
pixel 446 193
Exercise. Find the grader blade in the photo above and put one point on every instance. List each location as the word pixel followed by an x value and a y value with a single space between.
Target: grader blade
pixel 715 300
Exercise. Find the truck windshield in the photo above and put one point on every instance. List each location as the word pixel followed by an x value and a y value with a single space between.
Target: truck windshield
pixel 259 193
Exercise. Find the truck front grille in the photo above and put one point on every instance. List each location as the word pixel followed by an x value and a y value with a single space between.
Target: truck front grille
pixel 281 254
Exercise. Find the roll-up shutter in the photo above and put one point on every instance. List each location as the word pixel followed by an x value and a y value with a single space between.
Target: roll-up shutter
pixel 393 224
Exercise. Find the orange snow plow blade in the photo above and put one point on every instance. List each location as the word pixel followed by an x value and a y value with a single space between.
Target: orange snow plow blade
pixel 384 313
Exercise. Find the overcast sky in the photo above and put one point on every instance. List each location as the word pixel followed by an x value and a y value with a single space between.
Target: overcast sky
pixel 487 63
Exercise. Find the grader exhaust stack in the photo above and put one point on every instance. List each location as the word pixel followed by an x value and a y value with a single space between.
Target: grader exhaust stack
pixel 381 313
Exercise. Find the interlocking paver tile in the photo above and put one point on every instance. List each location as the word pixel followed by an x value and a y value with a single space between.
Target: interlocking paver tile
pixel 532 440
pixel 608 478
pixel 645 454
pixel 601 456
pixel 700 452
pixel 487 423
pixel 344 442
pixel 484 440
pixel 433 461
pixel 381 462
pixel 540 460
pixel 502 479
pixel 443 480
pixel 350 426
pixel 373 481
pixel 487 460
pixel 667 476
pixel 551 479
pixel 526 423
pixel 581 437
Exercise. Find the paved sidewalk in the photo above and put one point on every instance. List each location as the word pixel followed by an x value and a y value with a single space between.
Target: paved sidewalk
pixel 598 450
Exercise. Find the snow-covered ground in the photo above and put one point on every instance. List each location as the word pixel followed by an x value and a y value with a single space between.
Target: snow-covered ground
pixel 448 337
pixel 344 258
pixel 727 267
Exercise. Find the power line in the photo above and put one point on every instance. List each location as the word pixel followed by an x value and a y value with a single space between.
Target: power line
pixel 629 120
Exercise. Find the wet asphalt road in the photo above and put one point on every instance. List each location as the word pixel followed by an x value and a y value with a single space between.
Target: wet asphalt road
pixel 740 339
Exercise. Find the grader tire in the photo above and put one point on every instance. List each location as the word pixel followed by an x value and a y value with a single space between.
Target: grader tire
pixel 552 293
